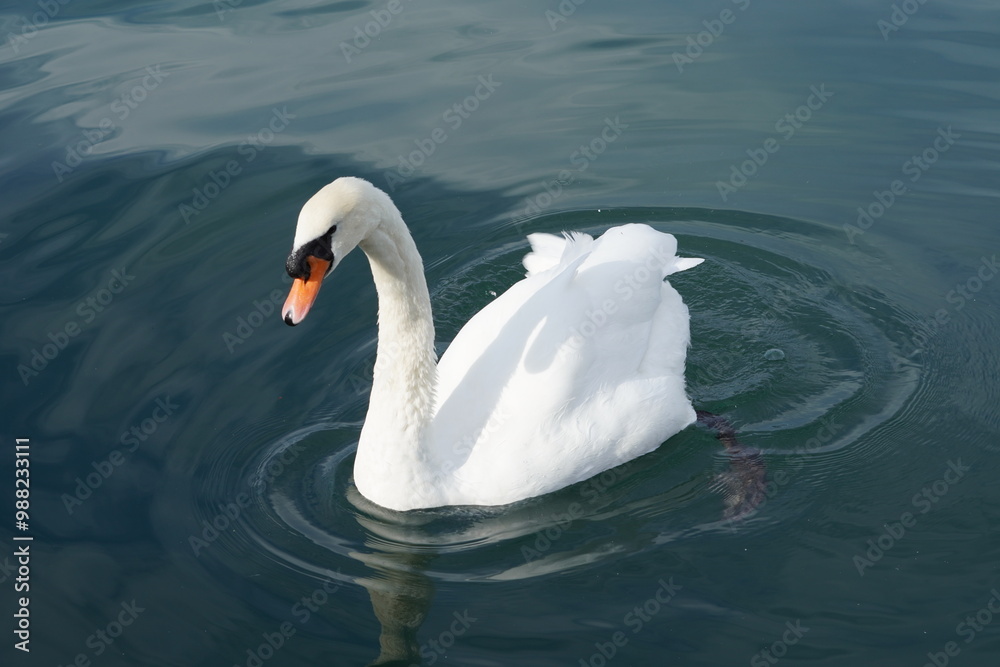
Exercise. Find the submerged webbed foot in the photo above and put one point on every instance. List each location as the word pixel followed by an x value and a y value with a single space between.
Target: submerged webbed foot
pixel 743 484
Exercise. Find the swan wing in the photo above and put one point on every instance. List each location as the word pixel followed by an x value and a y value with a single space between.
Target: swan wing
pixel 549 251
pixel 574 370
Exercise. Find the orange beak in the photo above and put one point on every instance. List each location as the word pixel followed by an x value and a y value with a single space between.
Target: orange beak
pixel 303 293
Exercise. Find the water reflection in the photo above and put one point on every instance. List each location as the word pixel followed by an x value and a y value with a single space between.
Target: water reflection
pixel 837 369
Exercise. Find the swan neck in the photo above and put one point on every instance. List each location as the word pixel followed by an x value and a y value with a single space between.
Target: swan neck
pixel 402 397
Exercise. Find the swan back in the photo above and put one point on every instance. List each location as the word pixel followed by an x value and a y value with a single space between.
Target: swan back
pixel 577 368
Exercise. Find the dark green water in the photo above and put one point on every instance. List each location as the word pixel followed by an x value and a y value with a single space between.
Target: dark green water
pixel 155 158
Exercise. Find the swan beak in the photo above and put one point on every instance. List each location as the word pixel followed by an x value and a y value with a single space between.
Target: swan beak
pixel 303 293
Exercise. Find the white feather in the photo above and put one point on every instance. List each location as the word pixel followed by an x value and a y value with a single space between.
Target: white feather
pixel 575 369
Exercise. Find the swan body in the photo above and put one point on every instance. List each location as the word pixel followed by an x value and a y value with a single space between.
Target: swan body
pixel 576 369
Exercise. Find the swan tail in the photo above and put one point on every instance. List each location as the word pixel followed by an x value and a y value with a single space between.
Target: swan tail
pixel 684 263
pixel 549 251
pixel 743 484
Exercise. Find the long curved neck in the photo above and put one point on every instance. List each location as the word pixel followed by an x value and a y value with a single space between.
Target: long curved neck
pixel 402 397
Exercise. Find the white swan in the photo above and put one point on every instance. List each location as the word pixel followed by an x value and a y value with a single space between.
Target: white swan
pixel 574 370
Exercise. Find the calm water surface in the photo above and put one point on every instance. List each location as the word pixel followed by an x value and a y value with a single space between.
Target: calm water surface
pixel 191 500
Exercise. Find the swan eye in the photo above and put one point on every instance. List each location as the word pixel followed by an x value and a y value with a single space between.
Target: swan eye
pixel 297 264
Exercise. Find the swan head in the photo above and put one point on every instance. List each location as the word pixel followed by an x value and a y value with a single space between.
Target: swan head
pixel 331 224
